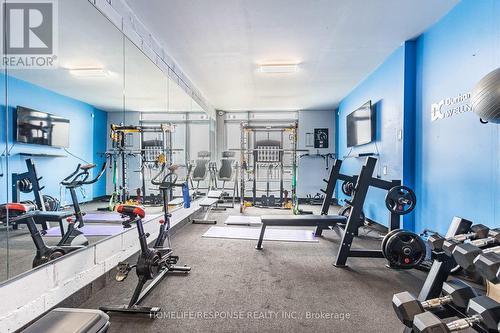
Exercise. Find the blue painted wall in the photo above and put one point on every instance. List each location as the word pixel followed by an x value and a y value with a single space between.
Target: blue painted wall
pixel 457 158
pixel 453 163
pixel 385 88
pixel 86 127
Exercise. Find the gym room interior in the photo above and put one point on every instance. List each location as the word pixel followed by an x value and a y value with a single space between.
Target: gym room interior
pixel 250 166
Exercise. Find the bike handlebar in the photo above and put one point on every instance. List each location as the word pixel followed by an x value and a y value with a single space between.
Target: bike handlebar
pixel 169 183
pixel 81 174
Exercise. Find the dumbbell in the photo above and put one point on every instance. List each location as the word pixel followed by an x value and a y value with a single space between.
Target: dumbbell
pixel 488 266
pixel 477 231
pixel 481 310
pixel 407 306
pixel 493 237
pixel 464 254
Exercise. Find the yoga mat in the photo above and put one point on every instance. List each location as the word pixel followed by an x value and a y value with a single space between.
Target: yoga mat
pixel 99 217
pixel 243 220
pixel 286 235
pixel 112 217
pixel 89 230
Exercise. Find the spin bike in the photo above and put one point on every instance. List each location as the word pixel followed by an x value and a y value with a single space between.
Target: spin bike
pixel 21 213
pixel 77 179
pixel 153 263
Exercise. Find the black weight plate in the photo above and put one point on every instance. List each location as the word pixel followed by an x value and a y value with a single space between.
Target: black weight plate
pixel 400 200
pixel 386 238
pixel 344 211
pixel 347 188
pixel 405 250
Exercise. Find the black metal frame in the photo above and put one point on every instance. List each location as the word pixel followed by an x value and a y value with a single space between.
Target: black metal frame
pixel 331 183
pixel 364 181
pixel 32 175
pixel 350 230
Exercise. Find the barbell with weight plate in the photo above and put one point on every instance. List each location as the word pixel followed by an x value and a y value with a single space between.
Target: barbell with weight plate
pixel 347 188
pixel 346 211
pixel 400 200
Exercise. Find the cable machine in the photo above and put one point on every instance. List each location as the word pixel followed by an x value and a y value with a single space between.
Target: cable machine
pixel 155 149
pixel 262 158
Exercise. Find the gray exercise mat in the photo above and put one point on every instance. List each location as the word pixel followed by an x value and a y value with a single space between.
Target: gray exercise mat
pixel 284 235
pixel 103 217
pixel 243 220
pixel 89 230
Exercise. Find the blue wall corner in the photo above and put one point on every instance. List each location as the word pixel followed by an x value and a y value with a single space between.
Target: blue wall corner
pixel 409 128
pixel 453 164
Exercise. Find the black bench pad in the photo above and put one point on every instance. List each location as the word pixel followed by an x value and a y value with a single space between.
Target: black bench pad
pixel 64 320
pixel 39 215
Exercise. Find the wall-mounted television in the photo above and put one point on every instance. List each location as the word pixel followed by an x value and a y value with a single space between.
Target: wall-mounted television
pixel 41 128
pixel 361 126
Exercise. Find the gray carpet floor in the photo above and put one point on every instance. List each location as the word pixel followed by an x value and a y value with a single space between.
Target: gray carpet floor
pixel 287 287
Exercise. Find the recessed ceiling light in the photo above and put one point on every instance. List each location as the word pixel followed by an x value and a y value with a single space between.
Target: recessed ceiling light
pixel 88 72
pixel 278 68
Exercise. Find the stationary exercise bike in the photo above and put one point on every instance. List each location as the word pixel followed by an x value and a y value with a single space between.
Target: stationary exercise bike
pixel 153 263
pixel 73 236
pixel 21 213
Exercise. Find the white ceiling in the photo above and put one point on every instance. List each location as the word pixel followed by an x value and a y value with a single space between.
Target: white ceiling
pixel 88 39
pixel 219 43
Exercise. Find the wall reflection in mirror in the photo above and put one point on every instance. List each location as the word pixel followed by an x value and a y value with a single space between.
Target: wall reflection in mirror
pixel 85 136
pixel 56 128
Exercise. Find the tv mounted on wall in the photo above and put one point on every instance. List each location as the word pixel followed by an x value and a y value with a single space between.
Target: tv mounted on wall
pixel 361 126
pixel 41 128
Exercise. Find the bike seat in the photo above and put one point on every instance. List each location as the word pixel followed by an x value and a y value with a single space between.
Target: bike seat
pixel 131 211
pixel 87 166
pixel 15 209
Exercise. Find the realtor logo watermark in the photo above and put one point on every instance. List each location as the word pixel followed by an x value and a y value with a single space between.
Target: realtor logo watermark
pixel 30 34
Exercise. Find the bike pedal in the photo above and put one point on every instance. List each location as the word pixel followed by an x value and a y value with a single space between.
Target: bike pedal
pixel 123 270
pixel 172 261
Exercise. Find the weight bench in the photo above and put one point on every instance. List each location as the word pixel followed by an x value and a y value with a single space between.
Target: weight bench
pixel 319 221
pixel 209 203
pixel 65 320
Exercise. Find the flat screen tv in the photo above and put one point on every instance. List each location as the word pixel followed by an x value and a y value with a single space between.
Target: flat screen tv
pixel 41 128
pixel 361 126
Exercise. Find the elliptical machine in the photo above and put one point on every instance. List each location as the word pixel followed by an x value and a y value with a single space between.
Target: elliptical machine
pixel 73 236
pixel 21 213
pixel 153 263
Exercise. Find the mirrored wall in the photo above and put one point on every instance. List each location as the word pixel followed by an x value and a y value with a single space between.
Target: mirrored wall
pixel 60 117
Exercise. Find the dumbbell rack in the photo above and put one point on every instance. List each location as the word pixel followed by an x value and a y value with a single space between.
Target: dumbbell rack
pixel 33 178
pixel 441 269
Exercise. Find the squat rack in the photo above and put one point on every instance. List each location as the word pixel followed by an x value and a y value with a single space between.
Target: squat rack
pixel 257 155
pixel 118 135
